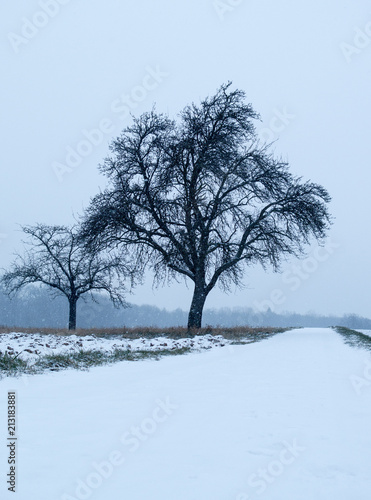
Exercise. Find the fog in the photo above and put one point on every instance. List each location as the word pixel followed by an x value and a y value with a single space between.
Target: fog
pixel 35 308
pixel 73 72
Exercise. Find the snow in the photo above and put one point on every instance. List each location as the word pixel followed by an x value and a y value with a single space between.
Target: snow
pixel 29 346
pixel 283 419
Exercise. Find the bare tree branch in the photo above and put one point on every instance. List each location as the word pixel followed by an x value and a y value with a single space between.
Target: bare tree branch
pixel 56 257
pixel 202 198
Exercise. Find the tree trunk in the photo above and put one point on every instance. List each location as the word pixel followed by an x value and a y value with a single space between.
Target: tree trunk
pixel 72 316
pixel 197 306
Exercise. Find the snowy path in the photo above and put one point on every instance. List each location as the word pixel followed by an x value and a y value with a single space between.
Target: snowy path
pixel 284 419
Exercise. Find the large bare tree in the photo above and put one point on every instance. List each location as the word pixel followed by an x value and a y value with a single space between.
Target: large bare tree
pixel 202 198
pixel 56 257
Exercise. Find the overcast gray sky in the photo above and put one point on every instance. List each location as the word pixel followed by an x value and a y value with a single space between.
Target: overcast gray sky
pixel 72 70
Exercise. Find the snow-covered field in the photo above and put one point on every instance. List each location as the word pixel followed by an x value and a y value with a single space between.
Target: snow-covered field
pixel 284 419
pixel 30 346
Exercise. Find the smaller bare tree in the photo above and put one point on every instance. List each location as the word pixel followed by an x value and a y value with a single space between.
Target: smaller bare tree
pixel 57 258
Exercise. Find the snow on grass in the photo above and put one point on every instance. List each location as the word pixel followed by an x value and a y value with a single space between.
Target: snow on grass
pixel 365 332
pixel 275 420
pixel 31 346
pixel 355 338
pixel 32 353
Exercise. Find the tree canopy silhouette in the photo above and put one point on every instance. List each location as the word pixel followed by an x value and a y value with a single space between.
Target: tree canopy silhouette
pixel 202 198
pixel 56 258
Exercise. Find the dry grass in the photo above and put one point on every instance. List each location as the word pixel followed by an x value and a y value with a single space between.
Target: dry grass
pixel 235 333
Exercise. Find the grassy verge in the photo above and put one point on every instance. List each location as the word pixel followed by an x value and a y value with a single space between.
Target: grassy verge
pixel 83 360
pixel 354 338
pixel 12 365
pixel 80 360
pixel 86 359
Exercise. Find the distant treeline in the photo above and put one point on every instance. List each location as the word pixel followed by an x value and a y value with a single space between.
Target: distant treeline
pixel 35 308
